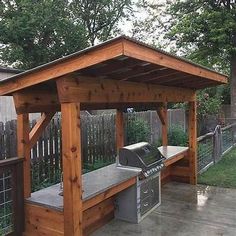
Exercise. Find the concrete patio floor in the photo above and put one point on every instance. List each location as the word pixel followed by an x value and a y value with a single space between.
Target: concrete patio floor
pixel 185 210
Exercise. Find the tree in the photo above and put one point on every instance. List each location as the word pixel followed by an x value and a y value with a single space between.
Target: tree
pixel 205 32
pixel 146 21
pixel 99 17
pixel 36 32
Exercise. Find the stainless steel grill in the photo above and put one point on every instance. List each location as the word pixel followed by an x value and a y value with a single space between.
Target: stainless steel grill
pixel 137 201
pixel 142 155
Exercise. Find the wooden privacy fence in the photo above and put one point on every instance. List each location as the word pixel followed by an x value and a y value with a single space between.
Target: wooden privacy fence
pixel 98 142
pixel 212 146
pixel 11 197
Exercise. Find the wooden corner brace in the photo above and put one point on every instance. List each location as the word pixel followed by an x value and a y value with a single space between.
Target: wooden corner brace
pixel 39 127
pixel 162 115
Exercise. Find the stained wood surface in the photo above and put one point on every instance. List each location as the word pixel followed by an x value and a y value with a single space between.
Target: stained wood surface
pixel 23 150
pixel 94 90
pixel 108 193
pixel 40 99
pixel 192 127
pixel 45 221
pixel 62 67
pixel 152 56
pixel 72 169
pixel 162 114
pixel 39 127
pixel 121 48
pixel 174 167
pixel 120 134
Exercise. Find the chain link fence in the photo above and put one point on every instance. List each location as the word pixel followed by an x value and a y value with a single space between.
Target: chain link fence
pixel 213 145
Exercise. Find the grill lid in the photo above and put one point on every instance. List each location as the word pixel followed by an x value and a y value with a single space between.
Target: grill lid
pixel 141 155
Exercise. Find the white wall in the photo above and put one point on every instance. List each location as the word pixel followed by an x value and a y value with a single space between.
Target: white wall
pixel 7 108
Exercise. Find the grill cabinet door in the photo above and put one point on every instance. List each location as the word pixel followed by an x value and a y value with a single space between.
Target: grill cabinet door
pixel 155 190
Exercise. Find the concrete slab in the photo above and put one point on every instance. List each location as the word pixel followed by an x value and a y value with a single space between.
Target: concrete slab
pixel 185 210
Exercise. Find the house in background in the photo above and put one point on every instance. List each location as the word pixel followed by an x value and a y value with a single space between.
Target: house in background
pixel 7 109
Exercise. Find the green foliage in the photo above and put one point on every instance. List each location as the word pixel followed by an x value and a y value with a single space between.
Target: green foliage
pixel 87 167
pixel 204 30
pixel 223 174
pixel 99 17
pixel 177 136
pixel 208 104
pixel 36 32
pixel 138 130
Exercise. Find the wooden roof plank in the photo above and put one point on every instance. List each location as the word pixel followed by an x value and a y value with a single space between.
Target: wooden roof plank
pixel 141 52
pixel 53 71
pixel 120 47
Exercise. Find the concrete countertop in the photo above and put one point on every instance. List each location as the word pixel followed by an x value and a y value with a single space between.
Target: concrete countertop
pixel 93 183
pixel 171 151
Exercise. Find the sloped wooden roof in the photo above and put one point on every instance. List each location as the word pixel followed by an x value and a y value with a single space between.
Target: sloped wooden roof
pixel 123 59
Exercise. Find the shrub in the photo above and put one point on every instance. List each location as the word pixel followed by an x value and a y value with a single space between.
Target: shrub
pixel 176 136
pixel 138 130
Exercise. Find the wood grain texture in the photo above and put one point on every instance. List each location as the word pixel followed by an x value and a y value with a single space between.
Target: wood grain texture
pixel 109 193
pixel 23 150
pixel 72 170
pixel 93 90
pixel 48 222
pixel 120 137
pixel 110 50
pixel 147 54
pixel 192 127
pixel 39 127
pixel 171 161
pixel 36 100
pixel 63 67
pixel 162 114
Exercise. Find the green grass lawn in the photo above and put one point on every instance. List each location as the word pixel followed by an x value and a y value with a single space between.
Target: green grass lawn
pixel 223 174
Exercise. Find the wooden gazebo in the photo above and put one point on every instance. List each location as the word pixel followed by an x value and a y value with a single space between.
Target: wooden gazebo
pixel 117 74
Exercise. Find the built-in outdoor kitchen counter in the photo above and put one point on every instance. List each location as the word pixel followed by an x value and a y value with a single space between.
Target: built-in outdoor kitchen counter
pixel 99 188
pixel 176 163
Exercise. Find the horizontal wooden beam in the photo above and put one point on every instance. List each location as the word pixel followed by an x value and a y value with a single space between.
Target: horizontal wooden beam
pixel 180 171
pixel 163 59
pixel 92 90
pixel 121 106
pixel 37 100
pixel 108 193
pixel 39 127
pixel 62 67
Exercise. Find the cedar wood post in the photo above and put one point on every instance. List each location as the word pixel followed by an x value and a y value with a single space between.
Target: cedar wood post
pixel 72 170
pixel 162 113
pixel 165 126
pixel 193 142
pixel 23 149
pixel 119 129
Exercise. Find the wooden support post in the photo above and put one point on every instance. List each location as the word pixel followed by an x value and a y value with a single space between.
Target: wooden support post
pixel 23 150
pixel 119 129
pixel 162 113
pixel 72 170
pixel 193 142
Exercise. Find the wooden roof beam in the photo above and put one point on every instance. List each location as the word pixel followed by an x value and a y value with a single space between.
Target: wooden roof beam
pixel 62 67
pixel 145 53
pixel 90 90
pixel 37 100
